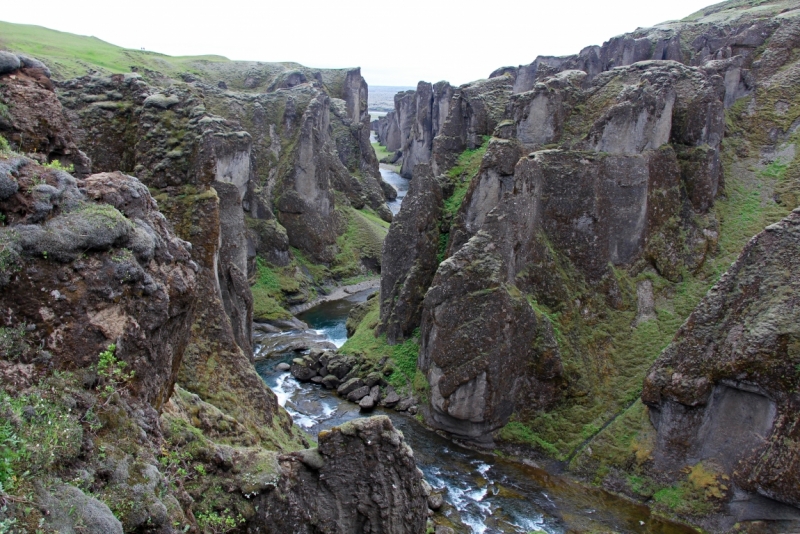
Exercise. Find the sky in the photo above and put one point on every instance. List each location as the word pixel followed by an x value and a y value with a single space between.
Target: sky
pixel 395 43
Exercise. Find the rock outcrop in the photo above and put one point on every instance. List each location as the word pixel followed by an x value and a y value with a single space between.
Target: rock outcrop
pixel 31 117
pixel 624 162
pixel 432 103
pixel 411 247
pixel 93 263
pixel 723 392
pixel 361 478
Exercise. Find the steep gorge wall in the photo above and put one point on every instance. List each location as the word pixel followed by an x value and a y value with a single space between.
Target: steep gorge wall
pixel 179 311
pixel 588 203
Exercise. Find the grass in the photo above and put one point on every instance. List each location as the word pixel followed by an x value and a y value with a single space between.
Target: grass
pixel 363 238
pixel 70 56
pixel 466 168
pixel 268 292
pixel 381 152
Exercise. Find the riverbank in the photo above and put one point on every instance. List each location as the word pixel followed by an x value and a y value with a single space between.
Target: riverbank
pixel 337 293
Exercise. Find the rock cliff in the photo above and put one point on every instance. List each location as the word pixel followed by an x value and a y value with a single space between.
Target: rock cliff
pixel 588 203
pixel 135 343
pixel 723 392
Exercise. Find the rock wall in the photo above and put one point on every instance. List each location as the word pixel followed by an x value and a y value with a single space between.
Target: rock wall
pixel 411 247
pixel 724 390
pixel 604 162
pixel 361 478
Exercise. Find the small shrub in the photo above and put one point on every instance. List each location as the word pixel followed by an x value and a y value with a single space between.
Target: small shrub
pixel 111 372
pixel 218 523
pixel 56 164
pixel 12 342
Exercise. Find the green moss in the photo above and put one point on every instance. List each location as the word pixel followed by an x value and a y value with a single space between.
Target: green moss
pixel 700 493
pixel 518 432
pixel 465 169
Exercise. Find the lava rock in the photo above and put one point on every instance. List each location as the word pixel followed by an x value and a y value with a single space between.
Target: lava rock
pixel 301 371
pixel 405 404
pixel 8 62
pixel 358 394
pixel 367 403
pixel 391 399
pixel 435 501
pixel 331 382
pixel 351 385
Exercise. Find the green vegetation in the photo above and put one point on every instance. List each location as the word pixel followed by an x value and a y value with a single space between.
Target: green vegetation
pixel 269 290
pixel 70 56
pixel 363 238
pixel 381 152
pixel 5 148
pixel 461 175
pixel 467 167
pixel 111 372
pixel 402 365
pixel 12 342
pixel 9 454
pixel 218 523
pixel 700 493
pixel 56 164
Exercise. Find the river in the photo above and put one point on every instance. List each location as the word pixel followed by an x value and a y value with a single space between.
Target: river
pixel 484 493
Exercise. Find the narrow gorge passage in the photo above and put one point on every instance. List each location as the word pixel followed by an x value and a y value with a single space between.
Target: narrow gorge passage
pixel 484 494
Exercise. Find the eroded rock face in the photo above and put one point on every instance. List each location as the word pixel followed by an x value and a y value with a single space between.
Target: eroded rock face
pixel 98 266
pixel 529 227
pixel 409 256
pixel 724 390
pixel 432 103
pixel 475 110
pixel 286 150
pixel 33 120
pixel 485 351
pixel 361 478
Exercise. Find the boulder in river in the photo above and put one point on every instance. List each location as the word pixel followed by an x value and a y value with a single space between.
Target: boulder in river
pixel 392 398
pixel 301 371
pixel 350 385
pixel 367 403
pixel 331 382
pixel 358 394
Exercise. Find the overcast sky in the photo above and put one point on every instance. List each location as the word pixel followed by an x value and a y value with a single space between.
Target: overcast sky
pixel 395 43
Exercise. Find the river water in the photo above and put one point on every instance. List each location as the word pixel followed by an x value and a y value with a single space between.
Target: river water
pixel 399 183
pixel 484 494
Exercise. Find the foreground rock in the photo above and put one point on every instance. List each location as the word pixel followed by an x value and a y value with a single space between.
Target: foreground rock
pixel 362 478
pixel 724 391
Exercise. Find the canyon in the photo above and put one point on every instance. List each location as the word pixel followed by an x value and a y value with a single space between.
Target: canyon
pixel 592 272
